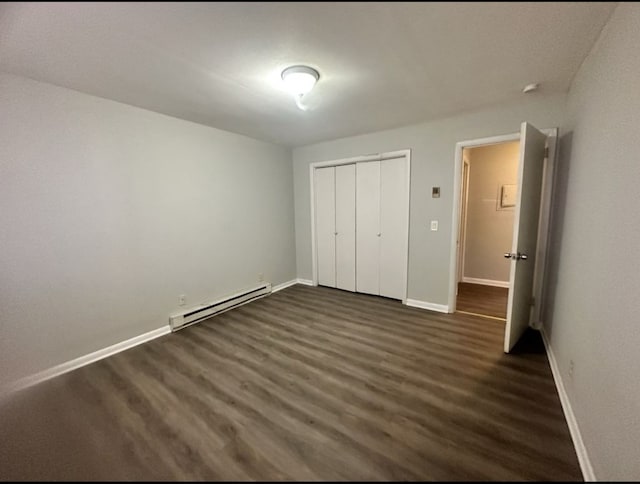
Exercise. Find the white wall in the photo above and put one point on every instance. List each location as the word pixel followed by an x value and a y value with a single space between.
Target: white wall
pixel 489 230
pixel 432 147
pixel 593 311
pixel 109 212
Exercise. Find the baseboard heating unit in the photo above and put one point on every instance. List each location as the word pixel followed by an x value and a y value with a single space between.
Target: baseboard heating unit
pixel 204 311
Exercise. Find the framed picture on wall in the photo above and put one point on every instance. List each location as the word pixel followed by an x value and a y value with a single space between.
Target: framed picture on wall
pixel 508 196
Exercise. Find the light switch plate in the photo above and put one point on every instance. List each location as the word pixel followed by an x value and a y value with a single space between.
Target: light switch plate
pixel 434 225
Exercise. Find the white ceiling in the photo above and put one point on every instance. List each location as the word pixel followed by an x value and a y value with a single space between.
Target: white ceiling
pixel 382 65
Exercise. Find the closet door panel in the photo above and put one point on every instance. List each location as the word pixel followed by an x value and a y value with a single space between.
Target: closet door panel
pixel 367 227
pixel 393 227
pixel 346 227
pixel 325 210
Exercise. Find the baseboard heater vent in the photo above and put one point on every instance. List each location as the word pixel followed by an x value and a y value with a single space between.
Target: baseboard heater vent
pixel 204 311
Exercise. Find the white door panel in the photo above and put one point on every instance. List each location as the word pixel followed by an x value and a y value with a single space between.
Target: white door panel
pixel 346 227
pixel 525 233
pixel 325 225
pixel 367 227
pixel 393 227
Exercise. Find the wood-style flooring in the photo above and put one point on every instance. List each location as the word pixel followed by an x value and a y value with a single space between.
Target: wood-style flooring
pixel 309 383
pixel 481 299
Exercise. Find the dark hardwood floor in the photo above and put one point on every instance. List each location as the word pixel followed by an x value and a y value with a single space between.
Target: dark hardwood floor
pixel 306 384
pixel 481 299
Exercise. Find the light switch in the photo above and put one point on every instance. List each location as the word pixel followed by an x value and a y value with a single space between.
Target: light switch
pixel 434 225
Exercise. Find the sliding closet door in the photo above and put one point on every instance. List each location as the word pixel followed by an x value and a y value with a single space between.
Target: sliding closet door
pixel 393 227
pixel 367 227
pixel 346 227
pixel 325 210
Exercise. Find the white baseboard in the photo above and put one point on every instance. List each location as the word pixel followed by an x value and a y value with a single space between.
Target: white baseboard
pixel 486 282
pixel 284 285
pixel 576 436
pixel 414 303
pixel 292 282
pixel 84 360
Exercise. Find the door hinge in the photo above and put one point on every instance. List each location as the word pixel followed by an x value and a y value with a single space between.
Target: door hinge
pixel 546 152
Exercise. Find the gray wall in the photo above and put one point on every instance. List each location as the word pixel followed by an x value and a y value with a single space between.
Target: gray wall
pixel 109 212
pixel 432 164
pixel 489 227
pixel 593 311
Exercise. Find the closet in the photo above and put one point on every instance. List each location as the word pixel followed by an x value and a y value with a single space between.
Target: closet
pixel 361 225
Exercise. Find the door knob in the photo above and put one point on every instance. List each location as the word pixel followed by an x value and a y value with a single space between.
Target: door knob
pixel 508 255
pixel 522 256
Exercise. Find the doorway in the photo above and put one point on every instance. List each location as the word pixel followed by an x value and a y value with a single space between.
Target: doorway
pixel 527 256
pixel 489 178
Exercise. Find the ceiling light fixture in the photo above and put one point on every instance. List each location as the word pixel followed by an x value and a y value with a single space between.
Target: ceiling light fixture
pixel 530 87
pixel 299 80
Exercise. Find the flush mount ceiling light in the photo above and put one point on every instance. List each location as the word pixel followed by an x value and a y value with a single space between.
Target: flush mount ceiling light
pixel 530 87
pixel 299 80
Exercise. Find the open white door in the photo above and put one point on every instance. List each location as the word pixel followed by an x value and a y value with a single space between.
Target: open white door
pixel 525 233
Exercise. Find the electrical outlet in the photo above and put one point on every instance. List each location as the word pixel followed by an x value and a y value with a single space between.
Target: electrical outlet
pixel 571 367
pixel 182 300
pixel 260 277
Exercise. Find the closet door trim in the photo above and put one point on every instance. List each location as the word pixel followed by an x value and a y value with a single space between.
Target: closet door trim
pixel 358 159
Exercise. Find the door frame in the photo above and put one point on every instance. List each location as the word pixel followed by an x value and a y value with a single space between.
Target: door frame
pixel 543 223
pixel 355 160
pixel 462 229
